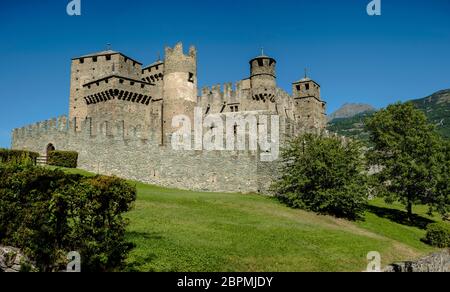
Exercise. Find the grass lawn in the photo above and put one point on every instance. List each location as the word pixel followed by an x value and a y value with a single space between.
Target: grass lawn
pixel 176 230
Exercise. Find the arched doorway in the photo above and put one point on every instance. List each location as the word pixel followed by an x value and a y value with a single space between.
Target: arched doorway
pixel 50 148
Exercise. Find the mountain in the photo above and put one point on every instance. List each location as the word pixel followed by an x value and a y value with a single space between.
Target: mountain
pixel 436 107
pixel 349 110
pixel 352 127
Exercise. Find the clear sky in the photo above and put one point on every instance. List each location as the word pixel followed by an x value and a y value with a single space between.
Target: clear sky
pixel 402 54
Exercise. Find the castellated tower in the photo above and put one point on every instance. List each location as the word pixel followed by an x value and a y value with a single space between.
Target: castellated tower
pixel 309 109
pixel 88 68
pixel 180 86
pixel 263 82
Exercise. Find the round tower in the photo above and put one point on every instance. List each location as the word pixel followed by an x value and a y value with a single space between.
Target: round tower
pixel 263 78
pixel 180 86
pixel 262 71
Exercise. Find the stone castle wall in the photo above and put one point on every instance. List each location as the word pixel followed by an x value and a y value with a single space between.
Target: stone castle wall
pixel 129 111
pixel 135 154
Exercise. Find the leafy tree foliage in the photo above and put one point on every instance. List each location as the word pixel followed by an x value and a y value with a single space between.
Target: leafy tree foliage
pixel 410 154
pixel 440 201
pixel 323 175
pixel 48 213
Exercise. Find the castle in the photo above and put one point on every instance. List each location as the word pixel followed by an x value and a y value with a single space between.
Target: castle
pixel 120 120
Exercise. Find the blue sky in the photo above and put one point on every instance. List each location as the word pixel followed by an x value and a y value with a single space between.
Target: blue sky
pixel 401 55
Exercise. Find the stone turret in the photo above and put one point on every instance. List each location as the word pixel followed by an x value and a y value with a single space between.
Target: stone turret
pixel 180 85
pixel 263 78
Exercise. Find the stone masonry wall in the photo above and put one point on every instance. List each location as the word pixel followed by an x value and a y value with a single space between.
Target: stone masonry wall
pixel 436 262
pixel 124 153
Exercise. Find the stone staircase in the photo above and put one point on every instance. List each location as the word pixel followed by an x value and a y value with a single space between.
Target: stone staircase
pixel 41 160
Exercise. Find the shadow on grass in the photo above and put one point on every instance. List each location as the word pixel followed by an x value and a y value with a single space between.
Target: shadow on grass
pixel 134 235
pixel 400 217
pixel 137 265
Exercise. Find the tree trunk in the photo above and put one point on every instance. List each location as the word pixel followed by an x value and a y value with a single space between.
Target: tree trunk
pixel 409 209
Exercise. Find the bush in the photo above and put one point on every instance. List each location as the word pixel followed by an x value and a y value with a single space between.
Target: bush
pixel 66 159
pixel 438 234
pixel 323 175
pixel 17 156
pixel 48 213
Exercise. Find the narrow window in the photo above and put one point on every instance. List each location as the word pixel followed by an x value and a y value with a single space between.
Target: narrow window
pixel 94 59
pixel 108 57
pixel 260 62
pixel 121 81
pixel 191 77
pixel 298 87
pixel 131 83
pixel 81 60
pixel 307 86
pixel 232 108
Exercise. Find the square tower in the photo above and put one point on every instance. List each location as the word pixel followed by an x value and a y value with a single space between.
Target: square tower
pixel 309 109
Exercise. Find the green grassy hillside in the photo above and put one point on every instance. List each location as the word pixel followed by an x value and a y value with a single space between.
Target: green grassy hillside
pixel 437 109
pixel 177 230
pixel 352 127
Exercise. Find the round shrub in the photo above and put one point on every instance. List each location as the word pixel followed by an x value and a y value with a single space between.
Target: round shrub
pixel 438 234
pixel 66 159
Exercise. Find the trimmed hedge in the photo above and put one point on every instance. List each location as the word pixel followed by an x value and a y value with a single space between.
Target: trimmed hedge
pixel 68 159
pixel 17 156
pixel 48 213
pixel 438 234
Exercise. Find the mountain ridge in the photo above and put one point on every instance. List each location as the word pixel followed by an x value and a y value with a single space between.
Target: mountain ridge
pixel 435 106
pixel 349 110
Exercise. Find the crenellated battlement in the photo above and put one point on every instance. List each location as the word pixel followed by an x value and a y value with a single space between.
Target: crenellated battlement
pixel 51 125
pixel 219 94
pixel 88 128
pixel 177 61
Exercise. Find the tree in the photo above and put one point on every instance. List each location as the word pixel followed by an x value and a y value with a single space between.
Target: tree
pixel 323 175
pixel 408 150
pixel 441 199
